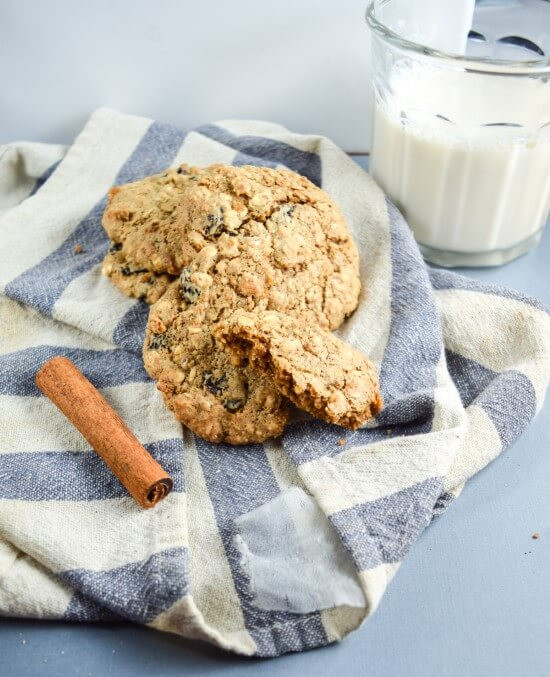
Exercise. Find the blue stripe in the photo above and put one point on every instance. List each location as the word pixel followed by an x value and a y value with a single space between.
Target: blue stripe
pixel 41 180
pixel 245 159
pixel 42 285
pixel 469 377
pixel 130 330
pixel 507 397
pixel 261 148
pixel 76 475
pixel 311 439
pixel 413 349
pixel 382 531
pixel 510 402
pixel 139 591
pixel 252 484
pixel 104 368
pixel 445 279
pixel 84 610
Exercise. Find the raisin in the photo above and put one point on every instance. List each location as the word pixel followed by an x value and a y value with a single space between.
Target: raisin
pixel 215 385
pixel 214 223
pixel 234 405
pixel 290 210
pixel 181 170
pixel 189 291
pixel 115 247
pixel 126 270
pixel 157 341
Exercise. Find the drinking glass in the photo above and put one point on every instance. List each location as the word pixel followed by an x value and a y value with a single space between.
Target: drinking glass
pixel 461 139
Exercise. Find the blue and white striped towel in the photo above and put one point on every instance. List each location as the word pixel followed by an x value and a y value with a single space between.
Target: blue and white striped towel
pixel 241 553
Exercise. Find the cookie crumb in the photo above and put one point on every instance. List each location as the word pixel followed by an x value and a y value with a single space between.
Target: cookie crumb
pixel 342 441
pixel 78 249
pixel 535 536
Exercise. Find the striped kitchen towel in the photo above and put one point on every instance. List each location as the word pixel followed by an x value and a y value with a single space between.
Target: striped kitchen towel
pixel 262 549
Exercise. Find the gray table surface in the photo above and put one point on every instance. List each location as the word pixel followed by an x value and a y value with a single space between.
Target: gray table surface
pixel 472 597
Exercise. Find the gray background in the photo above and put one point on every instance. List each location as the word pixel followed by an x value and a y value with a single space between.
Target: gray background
pixel 302 63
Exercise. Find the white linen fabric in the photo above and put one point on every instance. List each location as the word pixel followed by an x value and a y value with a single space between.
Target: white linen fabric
pixel 261 549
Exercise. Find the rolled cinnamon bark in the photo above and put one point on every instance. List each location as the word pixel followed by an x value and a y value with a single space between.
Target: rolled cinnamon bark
pixel 68 388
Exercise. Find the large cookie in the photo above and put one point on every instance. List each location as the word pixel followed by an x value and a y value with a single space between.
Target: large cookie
pixel 313 368
pixel 217 400
pixel 277 237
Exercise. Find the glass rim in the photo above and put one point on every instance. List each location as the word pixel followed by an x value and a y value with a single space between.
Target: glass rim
pixel 477 64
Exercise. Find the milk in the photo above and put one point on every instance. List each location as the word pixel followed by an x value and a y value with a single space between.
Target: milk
pixel 462 186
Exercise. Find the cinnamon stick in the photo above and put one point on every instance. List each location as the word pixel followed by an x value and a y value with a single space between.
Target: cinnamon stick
pixel 68 388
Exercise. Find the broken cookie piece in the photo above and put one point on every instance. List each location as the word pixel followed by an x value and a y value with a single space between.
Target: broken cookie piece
pixel 313 368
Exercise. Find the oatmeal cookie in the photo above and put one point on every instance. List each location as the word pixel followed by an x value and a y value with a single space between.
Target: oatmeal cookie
pixel 217 400
pixel 313 368
pixel 249 238
pixel 275 235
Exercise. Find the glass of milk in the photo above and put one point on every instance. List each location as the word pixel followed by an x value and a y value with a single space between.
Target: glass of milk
pixel 461 131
